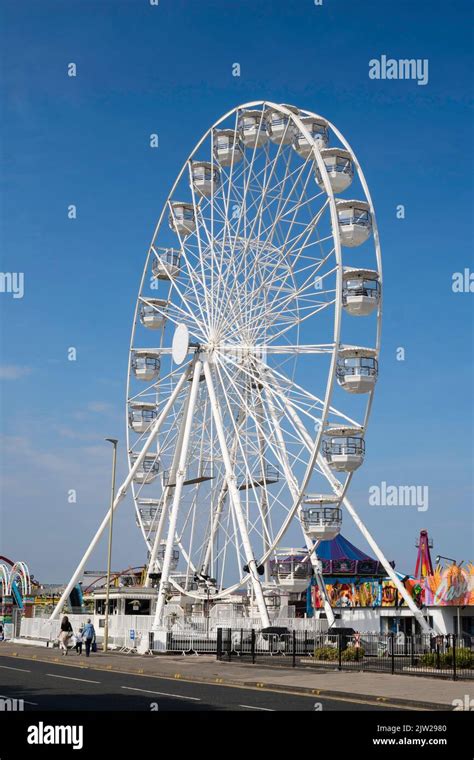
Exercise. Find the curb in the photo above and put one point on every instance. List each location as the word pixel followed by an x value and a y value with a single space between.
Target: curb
pixel 332 693
pixel 267 685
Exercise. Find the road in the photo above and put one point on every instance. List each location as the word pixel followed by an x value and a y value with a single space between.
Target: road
pixel 51 686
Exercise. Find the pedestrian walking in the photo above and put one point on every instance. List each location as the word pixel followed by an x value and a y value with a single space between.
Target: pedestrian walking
pixel 88 634
pixel 64 634
pixel 79 638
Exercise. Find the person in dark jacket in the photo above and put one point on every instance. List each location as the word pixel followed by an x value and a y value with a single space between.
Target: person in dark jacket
pixel 65 634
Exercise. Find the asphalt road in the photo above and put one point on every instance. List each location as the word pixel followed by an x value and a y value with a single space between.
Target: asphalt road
pixel 51 686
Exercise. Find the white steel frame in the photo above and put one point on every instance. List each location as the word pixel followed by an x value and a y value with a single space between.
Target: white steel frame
pixel 223 302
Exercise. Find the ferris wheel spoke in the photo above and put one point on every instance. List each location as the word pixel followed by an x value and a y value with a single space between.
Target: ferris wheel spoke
pixel 250 448
pixel 227 231
pixel 169 316
pixel 298 205
pixel 250 233
pixel 301 349
pixel 311 224
pixel 312 268
pixel 313 313
pixel 268 238
pixel 288 320
pixel 186 314
pixel 252 297
pixel 296 389
pixel 193 276
pixel 260 432
pixel 165 383
pixel 268 375
pixel 208 278
pixel 243 211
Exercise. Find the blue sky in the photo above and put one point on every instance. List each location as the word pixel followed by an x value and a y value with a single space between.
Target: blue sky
pixel 85 141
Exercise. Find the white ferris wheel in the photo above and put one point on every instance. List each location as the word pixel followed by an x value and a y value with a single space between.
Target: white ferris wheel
pixel 254 358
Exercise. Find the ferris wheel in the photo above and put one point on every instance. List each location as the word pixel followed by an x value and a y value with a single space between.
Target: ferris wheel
pixel 253 356
pixel 240 321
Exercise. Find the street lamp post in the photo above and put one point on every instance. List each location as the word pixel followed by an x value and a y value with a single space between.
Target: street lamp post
pixel 114 443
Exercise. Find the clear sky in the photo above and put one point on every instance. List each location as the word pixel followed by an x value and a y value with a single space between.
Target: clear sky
pixel 84 140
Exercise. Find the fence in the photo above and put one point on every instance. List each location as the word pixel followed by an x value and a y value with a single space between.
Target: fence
pixel 125 631
pixel 448 656
pixel 47 630
pixel 199 635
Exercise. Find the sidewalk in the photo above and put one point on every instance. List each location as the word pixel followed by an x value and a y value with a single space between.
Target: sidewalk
pixel 407 691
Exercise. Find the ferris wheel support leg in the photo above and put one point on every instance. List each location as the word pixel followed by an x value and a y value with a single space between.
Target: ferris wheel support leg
pixel 180 475
pixel 235 497
pixel 214 526
pixel 120 494
pixel 425 627
pixel 221 501
pixel 264 499
pixel 166 495
pixel 294 490
pixel 319 580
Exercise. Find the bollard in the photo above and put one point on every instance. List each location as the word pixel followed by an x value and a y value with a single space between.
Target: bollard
pixel 253 646
pixel 294 649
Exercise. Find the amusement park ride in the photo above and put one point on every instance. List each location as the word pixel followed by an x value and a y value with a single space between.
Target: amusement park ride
pixel 253 364
pixel 15 580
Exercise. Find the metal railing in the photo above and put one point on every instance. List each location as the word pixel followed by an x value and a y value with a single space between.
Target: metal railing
pixel 448 656
pixel 353 446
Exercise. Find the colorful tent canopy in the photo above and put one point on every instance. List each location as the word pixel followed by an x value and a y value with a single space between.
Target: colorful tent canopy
pixel 340 548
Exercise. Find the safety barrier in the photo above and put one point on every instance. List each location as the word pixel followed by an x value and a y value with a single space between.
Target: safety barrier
pixel 439 656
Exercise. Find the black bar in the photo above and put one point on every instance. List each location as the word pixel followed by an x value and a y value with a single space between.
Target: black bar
pixel 219 644
pixel 339 647
pixel 294 649
pixel 392 637
pixel 454 658
pixel 253 646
